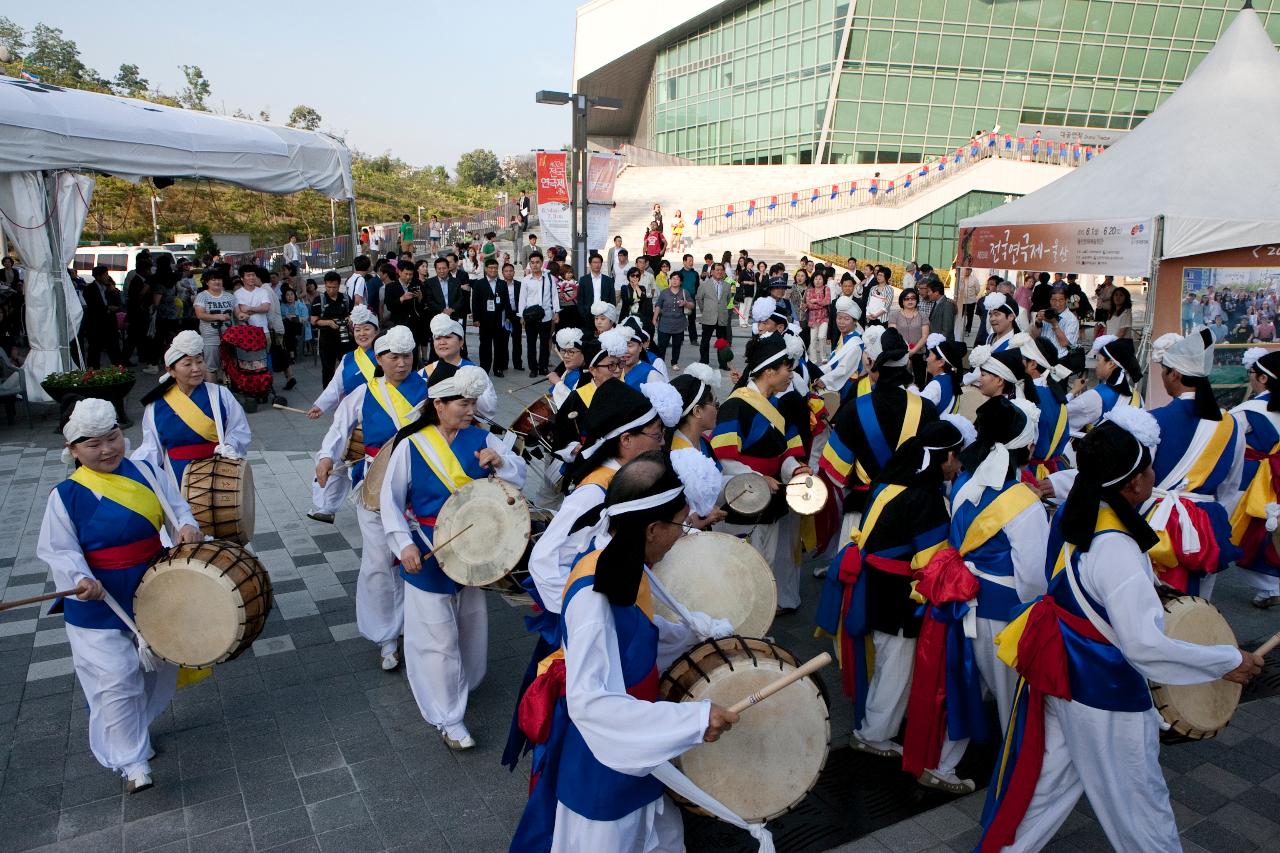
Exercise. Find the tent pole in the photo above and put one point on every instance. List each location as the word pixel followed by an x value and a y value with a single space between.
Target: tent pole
pixel 1157 252
pixel 53 229
pixel 355 227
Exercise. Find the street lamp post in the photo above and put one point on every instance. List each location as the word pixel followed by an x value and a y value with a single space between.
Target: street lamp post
pixel 155 222
pixel 578 166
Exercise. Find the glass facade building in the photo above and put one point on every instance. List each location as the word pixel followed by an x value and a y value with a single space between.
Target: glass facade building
pixel 887 81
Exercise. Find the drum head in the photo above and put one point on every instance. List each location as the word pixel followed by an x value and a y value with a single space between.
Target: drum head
pixel 1196 710
pixel 722 576
pixel 775 752
pixel 806 494
pixel 248 507
pixel 747 494
pixel 189 611
pixel 374 473
pixel 495 517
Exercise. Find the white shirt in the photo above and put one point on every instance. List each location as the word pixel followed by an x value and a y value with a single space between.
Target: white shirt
pixel 356 286
pixel 250 299
pixel 1070 325
pixel 235 429
pixel 540 291
pixel 375 241
pixel 293 253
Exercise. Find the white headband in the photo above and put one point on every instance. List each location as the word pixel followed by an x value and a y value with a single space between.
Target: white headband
pixel 641 504
pixel 569 339
pixel 397 339
pixel 443 325
pixel 991 472
pixel 982 358
pixel 469 381
pixel 778 356
pixel 650 415
pixel 91 418
pixel 186 343
pixel 362 316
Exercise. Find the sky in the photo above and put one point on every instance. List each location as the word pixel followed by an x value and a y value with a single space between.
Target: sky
pixel 425 81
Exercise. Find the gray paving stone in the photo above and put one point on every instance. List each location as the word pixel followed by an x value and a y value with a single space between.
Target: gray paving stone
pixel 212 815
pixel 212 786
pixel 338 812
pixel 1216 838
pixel 231 839
pixel 1218 779
pixel 280 828
pixel 317 760
pixel 326 784
pixel 90 817
pixel 155 831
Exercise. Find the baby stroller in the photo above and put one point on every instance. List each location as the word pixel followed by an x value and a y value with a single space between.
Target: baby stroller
pixel 247 365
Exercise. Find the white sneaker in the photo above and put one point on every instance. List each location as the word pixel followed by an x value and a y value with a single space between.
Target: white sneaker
pixel 390 661
pixel 820 571
pixel 458 738
pixel 139 780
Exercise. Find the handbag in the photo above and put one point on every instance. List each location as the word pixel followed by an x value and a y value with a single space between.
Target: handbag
pixel 536 313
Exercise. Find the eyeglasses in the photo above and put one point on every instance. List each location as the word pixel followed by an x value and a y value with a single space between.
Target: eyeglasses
pixel 611 366
pixel 685 527
pixel 655 436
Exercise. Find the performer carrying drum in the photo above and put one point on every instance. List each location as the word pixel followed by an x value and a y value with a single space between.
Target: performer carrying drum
pixel 446 628
pixel 1040 360
pixel 101 531
pixel 640 364
pixel 1118 373
pixel 1259 420
pixel 354 370
pixel 595 788
pixel 751 435
pixel 602 361
pixel 380 408
pixel 1084 718
pixel 570 375
pixel 181 422
pixel 1198 467
pixel 447 338
pixel 841 370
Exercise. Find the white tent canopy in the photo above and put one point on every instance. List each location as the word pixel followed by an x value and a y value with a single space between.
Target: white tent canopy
pixel 48 134
pixel 1198 160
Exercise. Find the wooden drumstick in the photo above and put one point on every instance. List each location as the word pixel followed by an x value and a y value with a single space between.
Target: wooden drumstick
pixel 774 686
pixel 1268 645
pixel 288 409
pixel 538 381
pixel 36 599
pixel 436 548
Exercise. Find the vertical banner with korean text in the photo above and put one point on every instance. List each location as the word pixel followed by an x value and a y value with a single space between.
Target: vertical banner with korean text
pixel 553 198
pixel 602 176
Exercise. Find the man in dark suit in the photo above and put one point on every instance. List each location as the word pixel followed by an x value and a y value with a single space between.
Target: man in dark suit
pixel 514 320
pixel 443 295
pixel 490 305
pixel 593 287
pixel 102 301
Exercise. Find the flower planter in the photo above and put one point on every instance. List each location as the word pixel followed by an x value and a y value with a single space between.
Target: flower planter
pixel 113 392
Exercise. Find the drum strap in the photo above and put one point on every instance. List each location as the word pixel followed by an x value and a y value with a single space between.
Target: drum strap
pixel 1099 624
pixel 170 516
pixel 761 404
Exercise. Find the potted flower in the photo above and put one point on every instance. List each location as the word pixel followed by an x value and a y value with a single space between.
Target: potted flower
pixel 104 383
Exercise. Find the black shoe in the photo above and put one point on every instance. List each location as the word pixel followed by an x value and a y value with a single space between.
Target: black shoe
pixel 533 374
pixel 290 385
pixel 498 374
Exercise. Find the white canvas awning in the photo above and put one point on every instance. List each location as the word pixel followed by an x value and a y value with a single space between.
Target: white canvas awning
pixel 1199 160
pixel 46 127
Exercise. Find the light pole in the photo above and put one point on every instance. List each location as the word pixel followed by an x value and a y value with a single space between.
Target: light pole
pixel 419 214
pixel 578 165
pixel 155 223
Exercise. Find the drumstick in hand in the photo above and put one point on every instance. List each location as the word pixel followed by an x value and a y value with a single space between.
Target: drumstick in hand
pixel 1268 645
pixel 436 548
pixel 288 409
pixel 36 599
pixel 774 686
pixel 537 381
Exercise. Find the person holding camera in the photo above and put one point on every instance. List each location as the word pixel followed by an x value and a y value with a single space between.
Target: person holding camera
pixel 329 313
pixel 1058 325
pixel 215 309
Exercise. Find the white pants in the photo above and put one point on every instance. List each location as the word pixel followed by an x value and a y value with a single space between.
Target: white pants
pixel 999 679
pixel 123 698
pixel 744 321
pixel 777 543
pixel 887 697
pixel 656 827
pixel 1260 583
pixel 1111 757
pixel 1206 586
pixel 446 647
pixel 329 497
pixel 379 589
pixel 819 346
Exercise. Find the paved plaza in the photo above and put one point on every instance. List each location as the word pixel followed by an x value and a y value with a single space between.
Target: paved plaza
pixel 304 744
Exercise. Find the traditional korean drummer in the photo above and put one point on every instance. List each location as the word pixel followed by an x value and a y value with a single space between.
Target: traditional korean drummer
pixel 447 337
pixel 381 408
pixel 356 369
pixel 101 531
pixel 573 374
pixel 446 627
pixel 181 422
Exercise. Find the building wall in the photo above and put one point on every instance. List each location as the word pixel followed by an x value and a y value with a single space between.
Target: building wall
pixel 918 76
pixel 929 240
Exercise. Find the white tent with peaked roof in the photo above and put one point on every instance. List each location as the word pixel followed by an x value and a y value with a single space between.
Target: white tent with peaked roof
pixel 1198 160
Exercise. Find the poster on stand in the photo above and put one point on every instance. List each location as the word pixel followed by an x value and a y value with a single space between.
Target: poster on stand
pixel 553 198
pixel 1105 247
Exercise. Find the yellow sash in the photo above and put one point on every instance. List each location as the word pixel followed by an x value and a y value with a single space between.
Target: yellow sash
pixel 442 461
pixel 995 515
pixel 601 477
pixel 761 404
pixel 191 414
pixel 587 566
pixel 1213 451
pixel 364 364
pixel 679 441
pixel 381 389
pixel 886 494
pixel 587 392
pixel 127 492
pixel 1058 429
pixel 911 419
pixel 1007 640
pixel 1253 503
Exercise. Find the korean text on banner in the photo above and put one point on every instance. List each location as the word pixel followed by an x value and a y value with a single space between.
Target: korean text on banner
pixel 1106 247
pixel 553 198
pixel 602 176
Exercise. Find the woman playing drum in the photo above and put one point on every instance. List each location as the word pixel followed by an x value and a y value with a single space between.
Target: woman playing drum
pixel 1259 419
pixel 698 410
pixel 354 371
pixel 595 788
pixel 570 375
pixel 445 624
pixel 944 363
pixel 842 368
pixel 101 531
pixel 602 361
pixel 181 422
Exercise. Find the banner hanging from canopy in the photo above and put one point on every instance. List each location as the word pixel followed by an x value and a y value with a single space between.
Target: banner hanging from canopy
pixel 1106 247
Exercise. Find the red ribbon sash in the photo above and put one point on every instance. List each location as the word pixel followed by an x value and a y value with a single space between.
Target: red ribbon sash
pixel 189 452
pixel 123 556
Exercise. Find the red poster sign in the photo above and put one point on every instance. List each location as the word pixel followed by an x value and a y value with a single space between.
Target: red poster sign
pixel 553 177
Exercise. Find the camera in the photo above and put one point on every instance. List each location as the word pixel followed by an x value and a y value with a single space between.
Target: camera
pixel 1050 315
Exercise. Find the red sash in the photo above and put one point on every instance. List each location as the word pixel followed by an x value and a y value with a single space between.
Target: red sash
pixel 189 452
pixel 123 556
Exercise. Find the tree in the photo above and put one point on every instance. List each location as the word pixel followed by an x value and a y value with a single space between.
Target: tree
pixel 196 95
pixel 14 38
pixel 264 115
pixel 129 82
pixel 478 168
pixel 304 117
pixel 57 58
pixel 205 246
pixel 519 169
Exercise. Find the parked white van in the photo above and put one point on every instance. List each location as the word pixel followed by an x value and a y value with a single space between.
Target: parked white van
pixel 119 260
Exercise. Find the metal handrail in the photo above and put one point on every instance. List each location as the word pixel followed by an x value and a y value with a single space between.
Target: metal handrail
pixel 883 192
